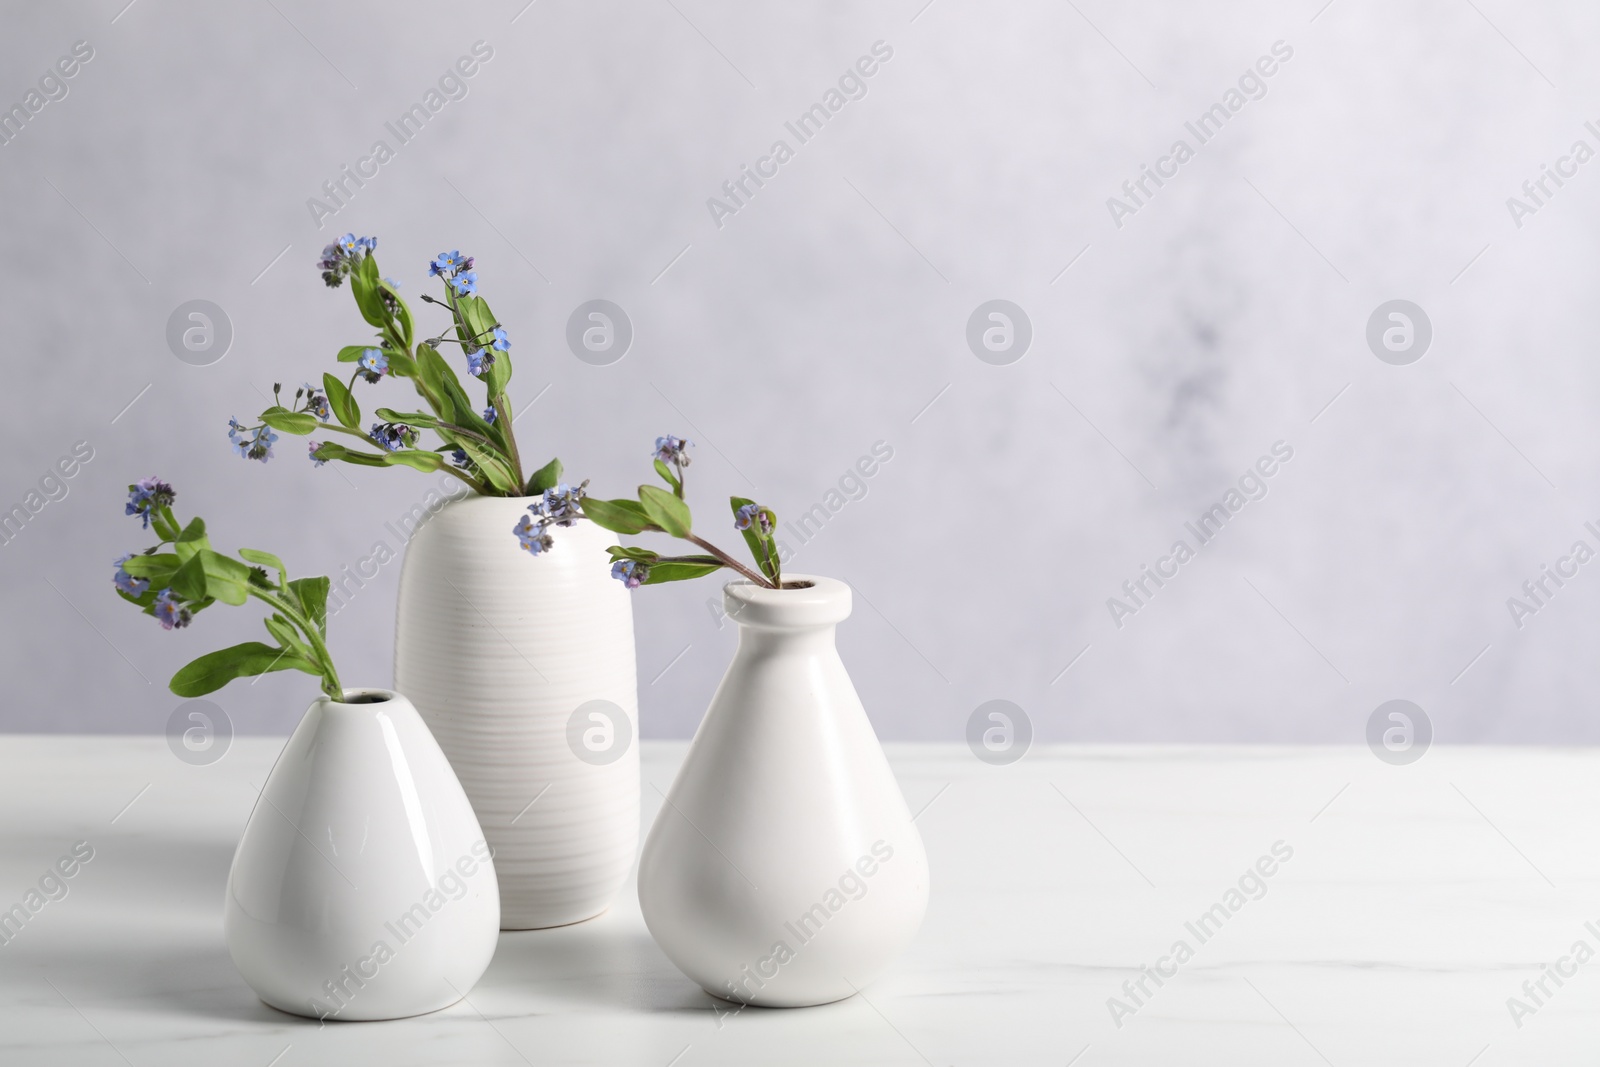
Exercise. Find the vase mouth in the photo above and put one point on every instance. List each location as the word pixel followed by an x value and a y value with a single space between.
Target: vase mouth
pixel 804 601
pixel 362 695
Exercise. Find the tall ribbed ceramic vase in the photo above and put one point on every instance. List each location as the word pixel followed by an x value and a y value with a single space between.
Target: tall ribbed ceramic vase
pixel 523 668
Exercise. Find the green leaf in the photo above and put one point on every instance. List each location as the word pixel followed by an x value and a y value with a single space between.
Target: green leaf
pixel 344 406
pixel 618 516
pixel 165 528
pixel 352 353
pixel 312 596
pixel 679 570
pixel 402 365
pixel 157 569
pixel 546 477
pixel 328 450
pixel 420 420
pixel 364 286
pixel 427 462
pixel 189 580
pixel 216 669
pixel 226 578
pixel 296 422
pixel 404 314
pixel 494 468
pixel 642 555
pixel 266 559
pixel 762 547
pixel 670 478
pixel 665 510
pixel 282 629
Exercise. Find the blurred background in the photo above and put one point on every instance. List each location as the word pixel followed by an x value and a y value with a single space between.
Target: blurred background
pixel 1157 340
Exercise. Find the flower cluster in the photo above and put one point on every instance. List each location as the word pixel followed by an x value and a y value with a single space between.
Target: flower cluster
pixel 560 505
pixel 126 582
pixel 251 442
pixel 658 510
pixel 754 515
pixel 393 436
pixel 630 572
pixel 457 272
pixel 316 402
pixel 673 450
pixel 171 612
pixel 340 258
pixel 146 497
pixel 183 575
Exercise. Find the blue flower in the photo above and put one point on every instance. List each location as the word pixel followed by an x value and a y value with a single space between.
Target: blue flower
pixel 251 443
pixel 459 458
pixel 147 494
pixel 630 572
pixel 501 342
pixel 393 436
pixel 490 414
pixel 316 402
pixel 562 505
pixel 338 259
pixel 753 515
pixel 671 449
pixel 373 364
pixel 311 447
pixel 465 283
pixel 170 612
pixel 478 361
pixel 532 535
pixel 126 582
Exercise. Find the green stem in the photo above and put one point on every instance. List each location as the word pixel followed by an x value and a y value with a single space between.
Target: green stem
pixel 504 409
pixel 729 561
pixel 330 675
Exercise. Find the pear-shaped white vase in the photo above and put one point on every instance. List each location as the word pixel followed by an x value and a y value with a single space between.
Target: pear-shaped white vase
pixel 784 868
pixel 523 668
pixel 362 887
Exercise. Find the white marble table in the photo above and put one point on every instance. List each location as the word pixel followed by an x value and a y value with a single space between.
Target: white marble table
pixel 1417 900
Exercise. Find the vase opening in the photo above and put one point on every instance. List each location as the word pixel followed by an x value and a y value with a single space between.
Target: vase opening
pixel 366 696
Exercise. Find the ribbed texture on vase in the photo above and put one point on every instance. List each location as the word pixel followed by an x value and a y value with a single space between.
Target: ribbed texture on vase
pixel 497 649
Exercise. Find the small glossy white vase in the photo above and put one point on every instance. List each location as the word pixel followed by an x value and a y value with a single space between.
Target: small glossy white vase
pixel 362 887
pixel 784 868
pixel 523 668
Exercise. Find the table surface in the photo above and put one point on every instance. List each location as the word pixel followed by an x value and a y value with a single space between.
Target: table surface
pixel 1416 902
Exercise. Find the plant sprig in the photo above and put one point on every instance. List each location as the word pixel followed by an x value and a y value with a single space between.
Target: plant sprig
pixel 476 446
pixel 657 510
pixel 183 575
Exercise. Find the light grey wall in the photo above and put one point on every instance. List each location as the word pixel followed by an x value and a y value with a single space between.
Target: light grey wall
pixel 1229 312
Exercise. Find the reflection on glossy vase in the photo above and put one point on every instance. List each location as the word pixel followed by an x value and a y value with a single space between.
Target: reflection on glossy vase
pixel 509 657
pixel 362 887
pixel 784 868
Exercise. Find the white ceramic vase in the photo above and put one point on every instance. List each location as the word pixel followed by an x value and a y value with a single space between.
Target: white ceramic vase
pixel 784 869
pixel 362 887
pixel 523 668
